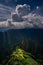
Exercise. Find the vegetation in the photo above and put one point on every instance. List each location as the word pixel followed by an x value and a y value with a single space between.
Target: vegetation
pixel 24 52
pixel 20 57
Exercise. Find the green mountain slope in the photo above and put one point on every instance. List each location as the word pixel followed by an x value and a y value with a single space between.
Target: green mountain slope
pixel 20 57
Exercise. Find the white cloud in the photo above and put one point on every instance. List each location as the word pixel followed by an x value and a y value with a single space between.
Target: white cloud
pixel 16 18
pixel 22 10
pixel 20 25
pixel 30 19
pixel 23 18
pixel 34 19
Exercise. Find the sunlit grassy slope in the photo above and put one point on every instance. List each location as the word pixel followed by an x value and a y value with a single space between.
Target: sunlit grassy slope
pixel 20 57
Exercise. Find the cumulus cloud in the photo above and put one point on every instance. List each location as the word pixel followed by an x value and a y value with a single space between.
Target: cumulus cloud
pixel 23 18
pixel 23 14
pixel 35 20
pixel 22 10
pixel 16 17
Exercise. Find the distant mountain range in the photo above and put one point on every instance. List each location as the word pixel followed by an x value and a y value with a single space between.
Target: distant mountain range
pixel 12 36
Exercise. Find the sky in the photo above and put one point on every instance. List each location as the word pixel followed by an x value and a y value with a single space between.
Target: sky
pixel 20 14
pixel 15 2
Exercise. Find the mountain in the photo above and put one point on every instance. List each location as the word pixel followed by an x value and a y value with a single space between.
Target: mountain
pixel 20 57
pixel 32 40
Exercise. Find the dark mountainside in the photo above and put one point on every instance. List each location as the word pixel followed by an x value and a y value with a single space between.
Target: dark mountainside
pixel 30 40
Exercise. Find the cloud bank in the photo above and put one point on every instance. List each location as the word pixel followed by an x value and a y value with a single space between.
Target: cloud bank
pixel 20 17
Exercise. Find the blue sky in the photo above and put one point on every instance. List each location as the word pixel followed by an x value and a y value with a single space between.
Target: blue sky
pixel 33 3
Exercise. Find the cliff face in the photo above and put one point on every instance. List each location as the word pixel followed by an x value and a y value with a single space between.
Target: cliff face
pixel 29 39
